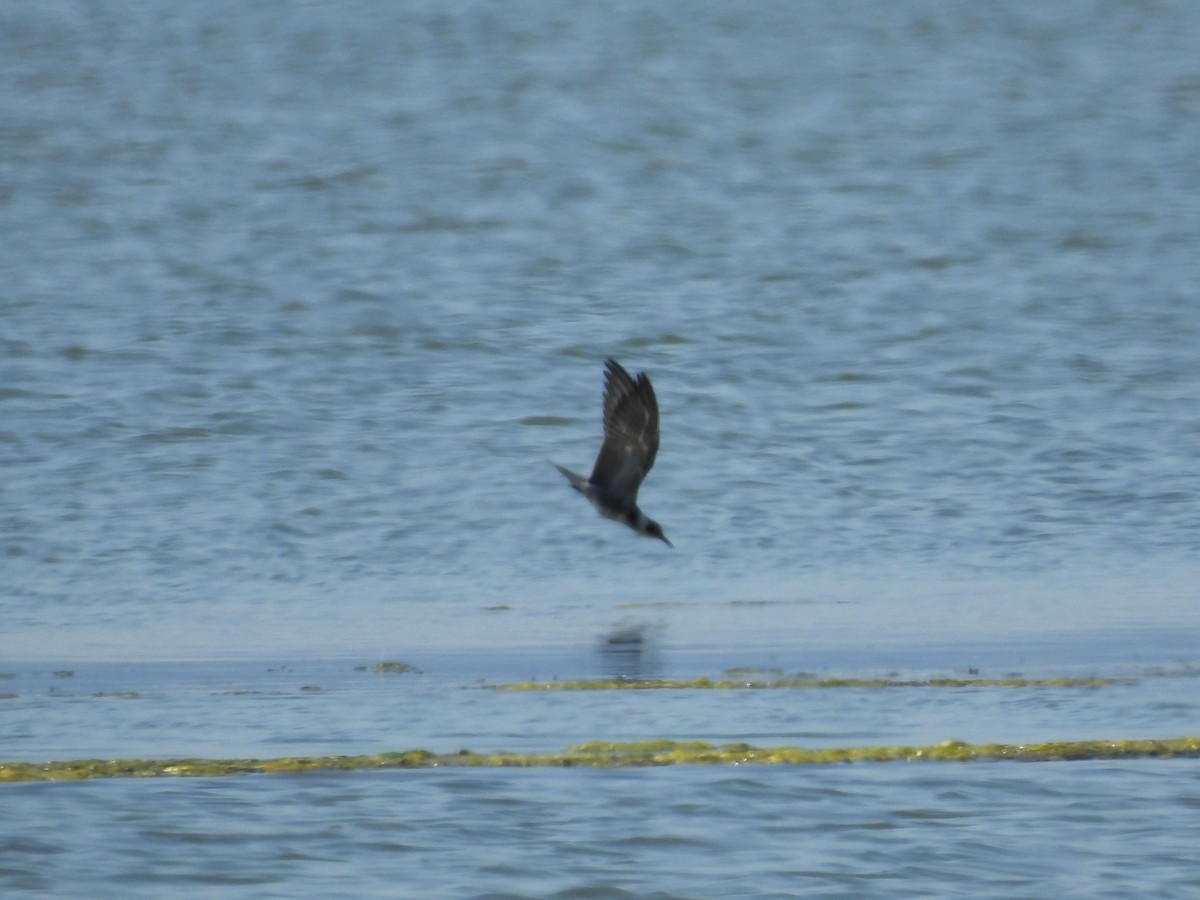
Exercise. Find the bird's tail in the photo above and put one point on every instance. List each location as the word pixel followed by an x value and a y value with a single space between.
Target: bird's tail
pixel 577 481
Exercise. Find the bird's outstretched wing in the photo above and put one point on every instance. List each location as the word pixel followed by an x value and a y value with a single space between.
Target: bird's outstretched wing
pixel 630 432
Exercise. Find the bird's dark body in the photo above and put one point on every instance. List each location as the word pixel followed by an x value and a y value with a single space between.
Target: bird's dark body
pixel 628 452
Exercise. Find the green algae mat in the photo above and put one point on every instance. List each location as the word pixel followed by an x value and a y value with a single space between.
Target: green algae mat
pixel 801 681
pixel 602 754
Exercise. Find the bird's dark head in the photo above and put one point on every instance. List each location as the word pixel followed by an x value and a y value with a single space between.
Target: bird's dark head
pixel 653 529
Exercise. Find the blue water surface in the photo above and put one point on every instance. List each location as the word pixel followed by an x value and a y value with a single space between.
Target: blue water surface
pixel 297 301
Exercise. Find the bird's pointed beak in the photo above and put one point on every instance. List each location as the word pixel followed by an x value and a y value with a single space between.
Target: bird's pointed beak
pixel 665 541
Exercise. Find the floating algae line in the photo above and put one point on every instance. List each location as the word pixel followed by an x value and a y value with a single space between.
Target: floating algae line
pixel 603 754
pixel 801 681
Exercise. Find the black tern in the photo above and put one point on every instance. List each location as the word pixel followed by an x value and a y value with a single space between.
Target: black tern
pixel 627 454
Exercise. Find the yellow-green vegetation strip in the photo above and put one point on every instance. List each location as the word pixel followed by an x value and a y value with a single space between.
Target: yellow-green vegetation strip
pixel 604 754
pixel 802 681
pixel 399 668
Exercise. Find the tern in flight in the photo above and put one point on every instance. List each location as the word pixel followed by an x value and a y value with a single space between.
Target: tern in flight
pixel 627 454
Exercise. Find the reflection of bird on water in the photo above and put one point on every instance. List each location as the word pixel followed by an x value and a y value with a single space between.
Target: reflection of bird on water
pixel 628 651
pixel 627 454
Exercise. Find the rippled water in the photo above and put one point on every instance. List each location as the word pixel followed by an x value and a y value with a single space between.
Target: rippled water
pixel 983 830
pixel 989 829
pixel 297 300
pixel 218 710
